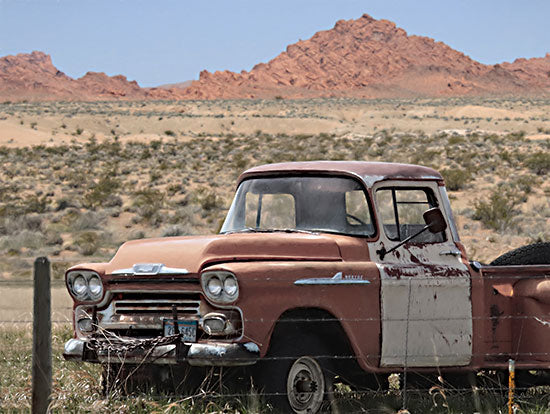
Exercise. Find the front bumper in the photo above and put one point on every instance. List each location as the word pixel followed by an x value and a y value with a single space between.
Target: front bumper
pixel 195 354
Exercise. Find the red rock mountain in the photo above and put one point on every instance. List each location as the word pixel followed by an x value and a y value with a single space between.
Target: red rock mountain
pixel 373 58
pixel 357 58
pixel 34 77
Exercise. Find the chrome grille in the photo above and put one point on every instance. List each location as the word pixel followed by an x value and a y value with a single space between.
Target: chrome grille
pixel 152 303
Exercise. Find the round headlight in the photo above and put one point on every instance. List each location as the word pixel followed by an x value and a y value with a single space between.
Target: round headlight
pixel 95 286
pixel 79 285
pixel 214 286
pixel 230 286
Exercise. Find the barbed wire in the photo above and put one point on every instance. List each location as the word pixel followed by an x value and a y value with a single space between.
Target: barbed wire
pixel 538 318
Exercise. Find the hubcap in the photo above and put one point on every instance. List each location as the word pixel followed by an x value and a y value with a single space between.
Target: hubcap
pixel 305 386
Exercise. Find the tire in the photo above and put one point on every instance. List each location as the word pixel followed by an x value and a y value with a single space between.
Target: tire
pixel 296 376
pixel 532 254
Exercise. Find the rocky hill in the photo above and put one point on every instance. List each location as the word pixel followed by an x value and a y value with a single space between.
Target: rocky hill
pixel 34 77
pixel 373 58
pixel 357 58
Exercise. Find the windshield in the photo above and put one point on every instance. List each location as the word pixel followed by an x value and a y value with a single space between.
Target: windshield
pixel 316 204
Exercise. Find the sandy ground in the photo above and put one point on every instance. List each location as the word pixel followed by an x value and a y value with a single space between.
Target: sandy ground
pixel 55 123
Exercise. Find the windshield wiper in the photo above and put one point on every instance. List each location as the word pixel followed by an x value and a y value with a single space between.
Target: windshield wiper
pixel 243 230
pixel 292 231
pixel 260 230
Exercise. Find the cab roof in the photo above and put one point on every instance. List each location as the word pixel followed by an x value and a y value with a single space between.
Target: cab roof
pixel 369 172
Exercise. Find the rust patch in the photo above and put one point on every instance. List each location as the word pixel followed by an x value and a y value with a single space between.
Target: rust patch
pixel 495 314
pixel 399 271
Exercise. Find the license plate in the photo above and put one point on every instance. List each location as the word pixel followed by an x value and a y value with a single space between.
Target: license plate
pixel 188 329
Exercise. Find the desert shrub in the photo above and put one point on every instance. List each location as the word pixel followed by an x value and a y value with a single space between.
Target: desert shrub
pixel 32 222
pixel 53 239
pixel 101 192
pixel 23 239
pixel 208 200
pixel 176 230
pixel 539 163
pixel 498 211
pixel 35 204
pixel 525 183
pixel 148 202
pixel 88 242
pixel 77 221
pixel 174 188
pixel 455 178
pixel 59 268
pixel 136 234
pixel 456 140
pixel 64 203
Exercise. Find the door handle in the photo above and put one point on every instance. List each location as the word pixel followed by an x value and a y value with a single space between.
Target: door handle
pixel 450 253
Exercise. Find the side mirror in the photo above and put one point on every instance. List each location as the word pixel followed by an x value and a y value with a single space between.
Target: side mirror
pixel 434 220
pixel 435 223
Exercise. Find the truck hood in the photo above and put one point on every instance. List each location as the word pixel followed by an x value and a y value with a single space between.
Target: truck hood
pixel 195 253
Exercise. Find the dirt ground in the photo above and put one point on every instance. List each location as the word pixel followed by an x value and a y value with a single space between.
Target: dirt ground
pixel 58 123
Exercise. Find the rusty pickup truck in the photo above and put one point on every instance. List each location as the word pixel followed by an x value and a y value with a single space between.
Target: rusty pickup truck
pixel 322 271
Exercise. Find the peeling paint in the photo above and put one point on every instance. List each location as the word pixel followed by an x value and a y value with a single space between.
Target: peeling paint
pixel 545 323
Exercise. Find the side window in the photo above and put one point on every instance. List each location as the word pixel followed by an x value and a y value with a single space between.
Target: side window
pixel 401 211
pixel 269 211
pixel 357 210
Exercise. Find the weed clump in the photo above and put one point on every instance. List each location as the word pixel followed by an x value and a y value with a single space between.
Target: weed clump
pixel 456 179
pixel 88 243
pixel 499 210
pixel 102 193
pixel 539 163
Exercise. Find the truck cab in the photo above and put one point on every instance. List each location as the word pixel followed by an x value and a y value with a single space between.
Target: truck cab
pixel 321 270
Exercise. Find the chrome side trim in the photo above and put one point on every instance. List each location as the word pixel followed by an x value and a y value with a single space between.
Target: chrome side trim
pixel 337 279
pixel 150 269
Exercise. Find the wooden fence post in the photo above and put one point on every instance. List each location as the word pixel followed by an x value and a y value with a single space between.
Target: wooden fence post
pixel 42 338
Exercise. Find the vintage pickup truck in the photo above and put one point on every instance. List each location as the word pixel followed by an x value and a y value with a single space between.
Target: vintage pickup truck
pixel 323 271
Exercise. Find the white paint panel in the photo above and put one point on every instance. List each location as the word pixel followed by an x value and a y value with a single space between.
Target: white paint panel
pixel 426 292
pixel 439 322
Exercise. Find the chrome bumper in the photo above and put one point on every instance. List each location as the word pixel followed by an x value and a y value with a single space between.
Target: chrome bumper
pixel 195 354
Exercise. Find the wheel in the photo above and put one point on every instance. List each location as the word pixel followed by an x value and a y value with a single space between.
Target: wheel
pixel 305 386
pixel 296 376
pixel 532 254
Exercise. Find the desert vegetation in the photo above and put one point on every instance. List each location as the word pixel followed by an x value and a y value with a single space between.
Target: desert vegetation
pixel 78 179
pixel 80 197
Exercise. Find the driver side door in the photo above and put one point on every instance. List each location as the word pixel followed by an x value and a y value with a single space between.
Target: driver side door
pixel 426 310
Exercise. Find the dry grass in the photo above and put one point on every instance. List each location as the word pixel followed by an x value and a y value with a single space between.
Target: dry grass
pixel 77 388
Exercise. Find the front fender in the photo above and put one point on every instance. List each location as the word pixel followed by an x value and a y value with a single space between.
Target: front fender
pixel 269 289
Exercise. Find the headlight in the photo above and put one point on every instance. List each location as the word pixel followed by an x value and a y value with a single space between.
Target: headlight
pixel 220 286
pixel 95 287
pixel 214 286
pixel 230 286
pixel 80 286
pixel 85 285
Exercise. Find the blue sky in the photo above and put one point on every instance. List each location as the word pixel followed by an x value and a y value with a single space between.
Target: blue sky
pixel 164 41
